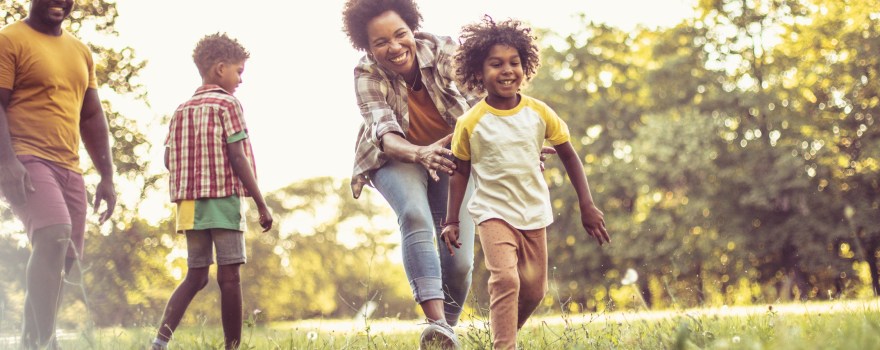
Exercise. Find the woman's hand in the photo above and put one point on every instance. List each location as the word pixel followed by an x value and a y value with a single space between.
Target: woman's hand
pixel 543 155
pixel 435 157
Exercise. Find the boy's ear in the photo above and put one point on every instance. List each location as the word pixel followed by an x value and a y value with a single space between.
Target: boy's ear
pixel 218 68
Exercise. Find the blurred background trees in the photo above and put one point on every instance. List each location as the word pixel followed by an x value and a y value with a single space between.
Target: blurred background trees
pixel 735 155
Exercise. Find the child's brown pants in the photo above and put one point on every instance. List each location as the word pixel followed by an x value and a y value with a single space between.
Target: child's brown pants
pixel 517 263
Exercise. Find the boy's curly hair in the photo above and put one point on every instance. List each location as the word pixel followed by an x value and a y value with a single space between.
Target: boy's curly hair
pixel 357 13
pixel 478 38
pixel 215 48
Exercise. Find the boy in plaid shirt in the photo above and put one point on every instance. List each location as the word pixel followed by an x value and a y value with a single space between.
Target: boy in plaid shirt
pixel 212 170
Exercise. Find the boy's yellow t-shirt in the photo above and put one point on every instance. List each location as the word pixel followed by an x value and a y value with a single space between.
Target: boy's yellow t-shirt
pixel 48 76
pixel 504 148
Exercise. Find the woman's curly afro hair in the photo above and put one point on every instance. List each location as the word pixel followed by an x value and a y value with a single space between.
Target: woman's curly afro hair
pixel 477 40
pixel 357 13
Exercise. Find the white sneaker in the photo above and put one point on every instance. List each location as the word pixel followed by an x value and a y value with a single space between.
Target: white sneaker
pixel 439 333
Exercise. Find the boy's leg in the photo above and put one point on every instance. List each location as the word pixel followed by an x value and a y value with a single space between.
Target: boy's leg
pixel 230 255
pixel 199 258
pixel 230 303
pixel 43 277
pixel 532 273
pixel 500 245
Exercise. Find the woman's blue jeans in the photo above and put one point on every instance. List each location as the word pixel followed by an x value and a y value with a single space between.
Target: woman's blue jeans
pixel 420 205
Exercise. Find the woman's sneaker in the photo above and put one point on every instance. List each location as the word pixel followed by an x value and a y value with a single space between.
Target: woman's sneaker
pixel 439 335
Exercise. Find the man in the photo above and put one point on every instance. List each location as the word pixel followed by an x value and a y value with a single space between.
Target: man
pixel 48 101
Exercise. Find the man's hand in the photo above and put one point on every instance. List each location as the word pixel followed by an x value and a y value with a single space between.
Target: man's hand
pixel 15 183
pixel 106 192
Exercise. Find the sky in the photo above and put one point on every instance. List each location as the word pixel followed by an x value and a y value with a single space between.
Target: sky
pixel 297 89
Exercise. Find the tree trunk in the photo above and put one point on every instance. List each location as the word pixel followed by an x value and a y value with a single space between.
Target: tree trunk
pixel 701 291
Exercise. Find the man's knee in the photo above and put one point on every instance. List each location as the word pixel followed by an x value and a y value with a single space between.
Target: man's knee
pixel 51 238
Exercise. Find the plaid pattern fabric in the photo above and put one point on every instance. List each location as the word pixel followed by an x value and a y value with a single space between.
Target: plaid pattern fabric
pixel 381 97
pixel 197 138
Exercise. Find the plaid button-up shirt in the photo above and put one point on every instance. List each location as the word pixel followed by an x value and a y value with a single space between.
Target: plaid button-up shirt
pixel 199 132
pixel 382 99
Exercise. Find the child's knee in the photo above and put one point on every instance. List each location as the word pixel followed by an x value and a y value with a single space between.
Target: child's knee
pixel 197 277
pixel 228 276
pixel 532 295
pixel 504 281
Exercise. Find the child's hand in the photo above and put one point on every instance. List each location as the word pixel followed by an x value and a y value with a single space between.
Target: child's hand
pixel 265 218
pixel 594 222
pixel 450 237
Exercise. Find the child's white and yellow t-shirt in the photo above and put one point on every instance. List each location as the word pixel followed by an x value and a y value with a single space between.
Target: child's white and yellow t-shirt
pixel 504 148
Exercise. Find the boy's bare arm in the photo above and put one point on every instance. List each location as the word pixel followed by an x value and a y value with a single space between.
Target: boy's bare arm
pixel 457 187
pixel 592 218
pixel 242 168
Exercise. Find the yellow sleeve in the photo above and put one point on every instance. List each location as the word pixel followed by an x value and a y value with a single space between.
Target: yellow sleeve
pixel 461 143
pixel 7 63
pixel 557 131
pixel 93 78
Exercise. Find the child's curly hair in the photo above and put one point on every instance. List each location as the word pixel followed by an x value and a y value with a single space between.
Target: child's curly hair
pixel 357 13
pixel 215 48
pixel 478 38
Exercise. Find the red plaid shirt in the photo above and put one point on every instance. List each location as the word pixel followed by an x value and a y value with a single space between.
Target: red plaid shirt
pixel 197 139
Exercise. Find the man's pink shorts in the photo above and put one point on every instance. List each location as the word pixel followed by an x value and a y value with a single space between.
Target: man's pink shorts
pixel 59 199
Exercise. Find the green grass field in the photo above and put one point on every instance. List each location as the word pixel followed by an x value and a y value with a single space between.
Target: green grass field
pixel 825 325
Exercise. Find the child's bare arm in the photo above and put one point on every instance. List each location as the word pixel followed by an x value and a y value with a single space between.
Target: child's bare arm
pixel 457 187
pixel 591 217
pixel 242 169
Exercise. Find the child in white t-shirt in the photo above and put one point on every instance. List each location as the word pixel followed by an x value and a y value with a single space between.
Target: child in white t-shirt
pixel 498 142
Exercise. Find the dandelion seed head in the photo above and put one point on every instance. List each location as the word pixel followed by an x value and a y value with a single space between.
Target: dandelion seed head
pixel 312 336
pixel 630 277
pixel 735 339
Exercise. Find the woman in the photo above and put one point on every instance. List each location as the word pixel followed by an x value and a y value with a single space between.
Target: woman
pixel 406 93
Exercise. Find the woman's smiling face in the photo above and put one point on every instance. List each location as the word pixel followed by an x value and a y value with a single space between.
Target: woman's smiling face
pixel 392 43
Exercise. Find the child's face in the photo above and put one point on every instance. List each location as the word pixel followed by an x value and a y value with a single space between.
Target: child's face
pixel 229 75
pixel 502 73
pixel 392 43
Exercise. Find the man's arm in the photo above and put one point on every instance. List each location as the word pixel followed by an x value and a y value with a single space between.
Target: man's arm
pixel 96 137
pixel 14 181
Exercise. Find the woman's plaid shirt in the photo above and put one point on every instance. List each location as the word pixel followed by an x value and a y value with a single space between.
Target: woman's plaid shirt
pixel 381 97
pixel 197 139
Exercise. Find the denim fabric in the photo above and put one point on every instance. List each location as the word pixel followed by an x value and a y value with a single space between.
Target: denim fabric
pixel 420 205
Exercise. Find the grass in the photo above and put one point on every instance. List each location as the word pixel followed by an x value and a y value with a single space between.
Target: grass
pixel 826 325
